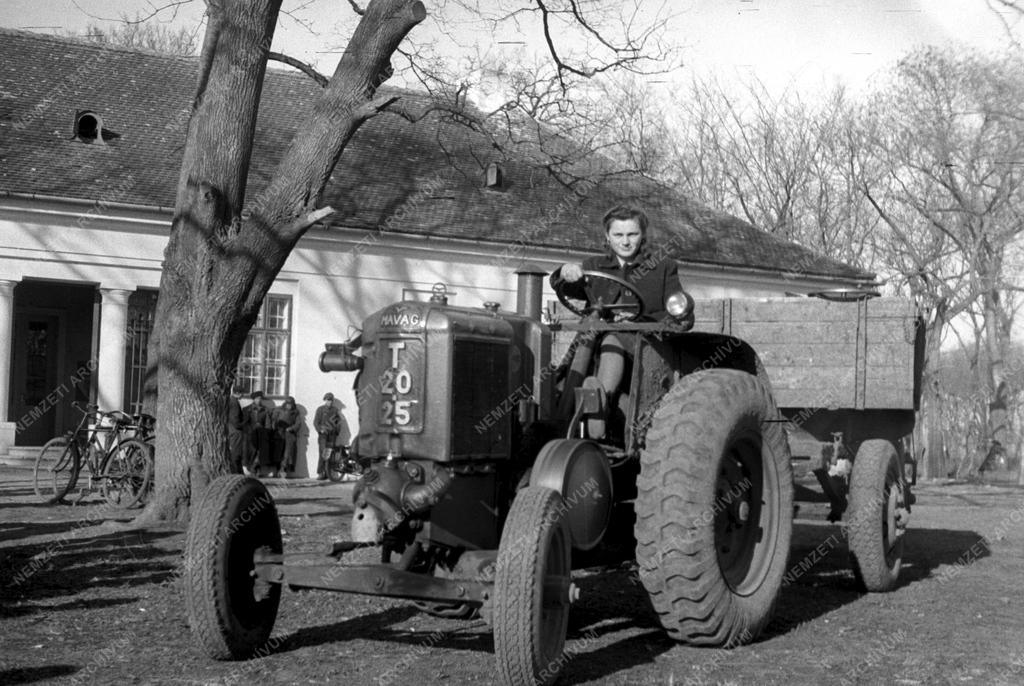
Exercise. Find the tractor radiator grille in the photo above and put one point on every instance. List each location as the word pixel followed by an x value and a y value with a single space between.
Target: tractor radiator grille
pixel 483 407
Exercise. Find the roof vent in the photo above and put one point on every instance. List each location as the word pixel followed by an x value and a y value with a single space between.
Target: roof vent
pixel 494 176
pixel 88 127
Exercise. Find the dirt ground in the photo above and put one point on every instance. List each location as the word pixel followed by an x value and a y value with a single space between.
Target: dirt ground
pixel 81 602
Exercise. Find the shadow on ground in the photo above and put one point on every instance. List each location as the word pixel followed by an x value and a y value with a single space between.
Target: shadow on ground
pixel 33 573
pixel 32 675
pixel 820 575
pixel 378 626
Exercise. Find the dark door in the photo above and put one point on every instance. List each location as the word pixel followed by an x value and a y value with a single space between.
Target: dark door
pixel 36 401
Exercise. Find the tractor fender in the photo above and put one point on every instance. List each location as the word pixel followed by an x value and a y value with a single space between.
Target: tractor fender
pixel 702 351
pixel 578 470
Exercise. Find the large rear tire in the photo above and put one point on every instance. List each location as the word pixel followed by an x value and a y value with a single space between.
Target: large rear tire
pixel 56 469
pixel 877 516
pixel 714 508
pixel 230 612
pixel 532 589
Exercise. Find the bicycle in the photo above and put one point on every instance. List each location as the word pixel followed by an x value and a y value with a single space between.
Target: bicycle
pixel 114 448
pixel 128 475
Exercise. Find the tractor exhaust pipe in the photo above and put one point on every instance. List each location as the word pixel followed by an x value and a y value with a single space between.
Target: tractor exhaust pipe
pixel 529 298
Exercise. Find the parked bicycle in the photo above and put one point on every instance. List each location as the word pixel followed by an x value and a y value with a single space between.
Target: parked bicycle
pixel 115 447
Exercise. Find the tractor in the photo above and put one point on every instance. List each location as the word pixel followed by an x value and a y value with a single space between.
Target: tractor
pixel 482 489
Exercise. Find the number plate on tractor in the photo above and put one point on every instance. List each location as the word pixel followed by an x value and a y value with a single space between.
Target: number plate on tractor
pixel 401 385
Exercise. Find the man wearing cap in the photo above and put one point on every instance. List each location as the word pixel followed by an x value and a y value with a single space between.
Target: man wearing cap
pixel 236 432
pixel 327 422
pixel 257 421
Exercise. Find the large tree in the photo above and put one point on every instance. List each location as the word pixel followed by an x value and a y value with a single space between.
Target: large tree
pixel 944 142
pixel 225 249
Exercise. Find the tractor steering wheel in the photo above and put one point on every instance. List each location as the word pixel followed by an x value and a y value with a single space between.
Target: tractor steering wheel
pixel 629 311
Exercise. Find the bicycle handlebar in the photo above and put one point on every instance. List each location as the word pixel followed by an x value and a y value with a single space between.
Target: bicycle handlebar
pixel 120 417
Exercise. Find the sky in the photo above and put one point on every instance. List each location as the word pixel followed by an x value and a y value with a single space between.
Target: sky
pixel 802 44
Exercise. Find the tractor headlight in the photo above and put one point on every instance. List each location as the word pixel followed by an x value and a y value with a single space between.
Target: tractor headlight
pixel 679 304
pixel 339 357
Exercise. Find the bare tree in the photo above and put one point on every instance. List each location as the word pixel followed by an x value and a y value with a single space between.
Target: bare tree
pixel 225 249
pixel 948 134
pixel 1010 13
pixel 922 184
pixel 140 33
pixel 782 163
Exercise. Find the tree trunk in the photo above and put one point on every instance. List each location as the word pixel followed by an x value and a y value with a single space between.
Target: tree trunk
pixel 934 466
pixel 222 258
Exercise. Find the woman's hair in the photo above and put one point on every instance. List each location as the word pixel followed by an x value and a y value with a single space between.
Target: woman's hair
pixel 623 212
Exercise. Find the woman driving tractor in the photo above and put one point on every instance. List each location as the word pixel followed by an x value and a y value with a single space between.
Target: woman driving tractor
pixel 629 282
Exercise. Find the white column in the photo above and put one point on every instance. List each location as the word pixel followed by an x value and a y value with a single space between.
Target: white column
pixel 110 370
pixel 7 428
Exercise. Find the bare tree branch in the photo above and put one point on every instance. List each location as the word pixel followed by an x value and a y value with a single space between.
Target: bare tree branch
pixel 306 69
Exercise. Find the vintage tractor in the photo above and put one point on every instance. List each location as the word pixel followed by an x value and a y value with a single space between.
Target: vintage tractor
pixel 482 489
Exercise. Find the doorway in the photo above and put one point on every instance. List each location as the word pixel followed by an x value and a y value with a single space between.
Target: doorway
pixel 51 358
pixel 35 373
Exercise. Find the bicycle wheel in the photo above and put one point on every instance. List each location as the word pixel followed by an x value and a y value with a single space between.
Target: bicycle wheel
pixel 56 469
pixel 127 473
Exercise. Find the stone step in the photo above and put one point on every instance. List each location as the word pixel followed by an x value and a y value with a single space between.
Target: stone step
pixel 21 456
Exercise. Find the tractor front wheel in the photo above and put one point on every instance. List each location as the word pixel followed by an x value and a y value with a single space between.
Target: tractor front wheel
pixel 532 589
pixel 230 611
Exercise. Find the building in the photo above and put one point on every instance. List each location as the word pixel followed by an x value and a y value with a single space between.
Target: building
pixel 90 146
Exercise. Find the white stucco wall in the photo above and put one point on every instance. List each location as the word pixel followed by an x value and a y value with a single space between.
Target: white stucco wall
pixel 336 277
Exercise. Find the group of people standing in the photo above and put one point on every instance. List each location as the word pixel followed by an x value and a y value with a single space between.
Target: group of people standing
pixel 263 440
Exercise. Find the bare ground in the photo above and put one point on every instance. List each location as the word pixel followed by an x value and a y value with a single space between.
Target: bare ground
pixel 83 602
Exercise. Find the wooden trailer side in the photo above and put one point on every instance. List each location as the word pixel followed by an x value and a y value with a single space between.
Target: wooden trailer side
pixel 859 355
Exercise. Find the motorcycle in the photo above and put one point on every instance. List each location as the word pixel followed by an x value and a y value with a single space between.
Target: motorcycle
pixel 341 466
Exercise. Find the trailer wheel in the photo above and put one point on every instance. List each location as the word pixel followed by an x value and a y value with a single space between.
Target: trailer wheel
pixel 230 612
pixel 877 516
pixel 532 589
pixel 714 508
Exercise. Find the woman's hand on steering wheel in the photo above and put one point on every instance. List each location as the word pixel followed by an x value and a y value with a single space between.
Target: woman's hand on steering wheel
pixel 629 311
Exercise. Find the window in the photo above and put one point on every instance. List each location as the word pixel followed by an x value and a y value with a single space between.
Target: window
pixel 141 312
pixel 263 364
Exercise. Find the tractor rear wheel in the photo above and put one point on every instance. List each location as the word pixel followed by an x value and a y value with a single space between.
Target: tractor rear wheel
pixel 714 508
pixel 532 589
pixel 877 515
pixel 231 612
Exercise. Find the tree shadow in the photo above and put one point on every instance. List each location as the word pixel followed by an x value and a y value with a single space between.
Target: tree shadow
pixel 27 609
pixel 39 504
pixel 29 675
pixel 64 565
pixel 15 492
pixel 14 531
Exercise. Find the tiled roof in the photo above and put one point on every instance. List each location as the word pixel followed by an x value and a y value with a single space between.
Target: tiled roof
pixel 433 168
